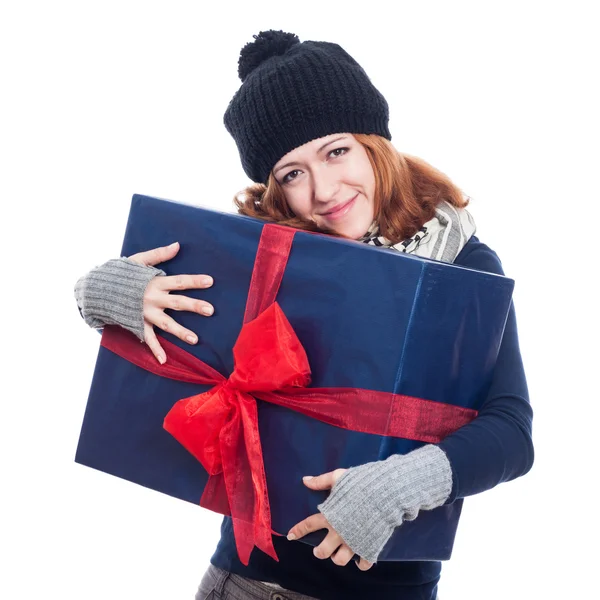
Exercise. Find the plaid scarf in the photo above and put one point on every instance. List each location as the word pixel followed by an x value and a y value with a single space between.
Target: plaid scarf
pixel 441 238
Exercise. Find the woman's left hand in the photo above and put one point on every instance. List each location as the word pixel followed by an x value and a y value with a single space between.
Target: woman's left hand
pixel 333 546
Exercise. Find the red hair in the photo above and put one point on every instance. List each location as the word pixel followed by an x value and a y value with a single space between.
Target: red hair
pixel 407 191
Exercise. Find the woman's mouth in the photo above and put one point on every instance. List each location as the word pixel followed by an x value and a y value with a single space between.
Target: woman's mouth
pixel 339 211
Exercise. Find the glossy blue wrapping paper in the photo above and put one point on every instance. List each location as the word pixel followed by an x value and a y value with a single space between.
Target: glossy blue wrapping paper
pixel 367 317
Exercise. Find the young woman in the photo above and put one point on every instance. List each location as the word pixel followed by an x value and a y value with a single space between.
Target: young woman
pixel 312 133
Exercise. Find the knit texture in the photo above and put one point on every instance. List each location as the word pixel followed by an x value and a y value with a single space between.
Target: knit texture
pixel 369 501
pixel 295 92
pixel 441 238
pixel 113 294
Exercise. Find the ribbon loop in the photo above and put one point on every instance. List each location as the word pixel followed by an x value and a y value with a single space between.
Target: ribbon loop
pixel 202 417
pixel 268 355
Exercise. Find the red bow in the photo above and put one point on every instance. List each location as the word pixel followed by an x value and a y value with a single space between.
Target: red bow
pixel 220 427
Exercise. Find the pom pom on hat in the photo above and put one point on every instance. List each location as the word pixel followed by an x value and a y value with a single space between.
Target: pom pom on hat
pixel 267 44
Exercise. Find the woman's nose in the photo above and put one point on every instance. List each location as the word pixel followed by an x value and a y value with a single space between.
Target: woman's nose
pixel 325 186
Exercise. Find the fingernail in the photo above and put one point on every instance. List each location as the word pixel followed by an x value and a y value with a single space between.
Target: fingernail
pixel 191 339
pixel 207 281
pixel 207 310
pixel 161 359
pixel 173 244
pixel 291 537
pixel 307 478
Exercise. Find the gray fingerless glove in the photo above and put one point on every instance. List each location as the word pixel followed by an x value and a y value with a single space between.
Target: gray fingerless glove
pixel 369 501
pixel 113 294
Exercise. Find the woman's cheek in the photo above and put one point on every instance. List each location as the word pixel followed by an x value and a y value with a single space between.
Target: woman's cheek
pixel 300 207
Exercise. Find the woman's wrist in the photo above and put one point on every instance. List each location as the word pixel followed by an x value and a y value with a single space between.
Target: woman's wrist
pixel 370 501
pixel 113 294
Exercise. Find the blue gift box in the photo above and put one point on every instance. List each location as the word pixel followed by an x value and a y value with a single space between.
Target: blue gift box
pixel 367 317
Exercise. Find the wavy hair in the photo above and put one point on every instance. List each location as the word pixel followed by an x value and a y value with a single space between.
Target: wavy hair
pixel 407 191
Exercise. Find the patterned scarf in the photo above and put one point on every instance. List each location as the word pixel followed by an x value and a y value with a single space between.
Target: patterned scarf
pixel 441 238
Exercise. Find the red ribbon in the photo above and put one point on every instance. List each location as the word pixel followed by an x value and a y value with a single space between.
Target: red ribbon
pixel 220 427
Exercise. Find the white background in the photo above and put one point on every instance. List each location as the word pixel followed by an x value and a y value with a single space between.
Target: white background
pixel 103 100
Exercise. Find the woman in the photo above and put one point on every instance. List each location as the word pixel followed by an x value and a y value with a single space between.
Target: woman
pixel 312 133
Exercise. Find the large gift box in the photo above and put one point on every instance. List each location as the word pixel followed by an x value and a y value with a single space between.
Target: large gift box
pixel 344 354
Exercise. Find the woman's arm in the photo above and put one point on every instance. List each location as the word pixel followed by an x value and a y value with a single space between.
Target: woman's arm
pixel 369 501
pixel 497 446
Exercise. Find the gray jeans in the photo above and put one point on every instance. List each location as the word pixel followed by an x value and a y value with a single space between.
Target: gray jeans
pixel 222 585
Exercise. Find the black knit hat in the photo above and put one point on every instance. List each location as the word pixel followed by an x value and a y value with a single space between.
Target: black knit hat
pixel 293 93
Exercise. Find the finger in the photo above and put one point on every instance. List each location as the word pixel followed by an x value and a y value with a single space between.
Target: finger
pixel 166 323
pixel 154 345
pixel 328 546
pixel 363 565
pixel 343 556
pixel 310 524
pixel 184 282
pixel 156 255
pixel 323 482
pixel 177 302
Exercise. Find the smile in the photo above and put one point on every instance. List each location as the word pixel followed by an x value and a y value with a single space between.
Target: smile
pixel 339 211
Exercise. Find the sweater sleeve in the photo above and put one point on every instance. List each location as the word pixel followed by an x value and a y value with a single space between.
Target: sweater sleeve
pixel 113 294
pixel 369 501
pixel 497 446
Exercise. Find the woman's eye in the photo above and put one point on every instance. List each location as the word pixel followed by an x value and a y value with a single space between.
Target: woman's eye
pixel 338 152
pixel 290 176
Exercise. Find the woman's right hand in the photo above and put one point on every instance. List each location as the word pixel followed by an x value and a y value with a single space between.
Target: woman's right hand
pixel 157 298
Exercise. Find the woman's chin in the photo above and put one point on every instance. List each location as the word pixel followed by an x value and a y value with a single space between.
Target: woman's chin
pixel 353 232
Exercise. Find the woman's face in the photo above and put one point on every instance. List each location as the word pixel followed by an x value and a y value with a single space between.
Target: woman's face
pixel 330 181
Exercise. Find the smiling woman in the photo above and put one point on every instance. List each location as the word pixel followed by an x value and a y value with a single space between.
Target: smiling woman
pixel 332 184
pixel 340 184
pixel 312 134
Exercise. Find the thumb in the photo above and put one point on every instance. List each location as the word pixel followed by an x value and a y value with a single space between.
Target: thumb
pixel 325 481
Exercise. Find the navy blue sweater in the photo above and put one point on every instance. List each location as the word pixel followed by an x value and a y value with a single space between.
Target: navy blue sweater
pixel 495 447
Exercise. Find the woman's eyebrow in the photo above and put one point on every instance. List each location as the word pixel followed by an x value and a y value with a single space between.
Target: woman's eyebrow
pixel 343 137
